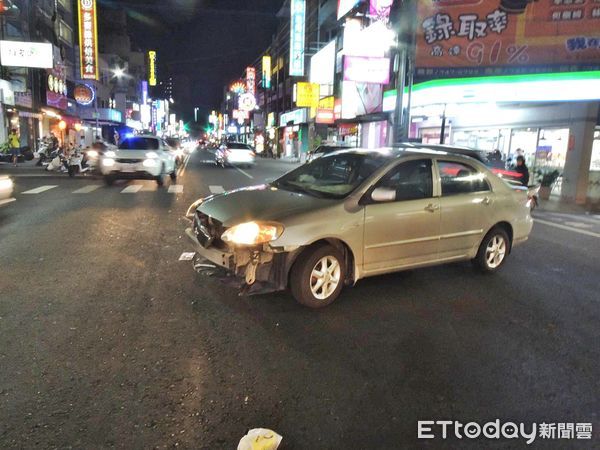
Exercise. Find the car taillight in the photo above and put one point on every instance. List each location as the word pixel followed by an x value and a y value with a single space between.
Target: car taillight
pixel 507 173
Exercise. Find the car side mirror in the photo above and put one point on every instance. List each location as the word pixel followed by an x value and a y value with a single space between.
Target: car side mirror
pixel 382 194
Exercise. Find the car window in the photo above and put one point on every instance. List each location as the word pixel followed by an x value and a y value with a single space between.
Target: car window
pixel 459 178
pixel 332 176
pixel 411 180
pixel 139 143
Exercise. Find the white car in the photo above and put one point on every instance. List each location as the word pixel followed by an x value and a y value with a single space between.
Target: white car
pixel 235 154
pixel 139 158
pixel 6 190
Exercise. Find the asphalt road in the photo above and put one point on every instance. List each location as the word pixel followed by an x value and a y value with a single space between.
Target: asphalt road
pixel 107 340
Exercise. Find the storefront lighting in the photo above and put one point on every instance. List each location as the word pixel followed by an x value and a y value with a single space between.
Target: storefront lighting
pixel 62 125
pixel 78 127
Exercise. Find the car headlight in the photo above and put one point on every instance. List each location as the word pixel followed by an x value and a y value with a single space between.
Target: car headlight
pixel 253 233
pixel 192 209
pixel 92 154
pixel 152 155
pixel 108 162
pixel 110 154
pixel 6 184
pixel 150 163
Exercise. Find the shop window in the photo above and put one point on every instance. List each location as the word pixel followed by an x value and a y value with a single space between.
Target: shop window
pixel 65 32
pixel 458 178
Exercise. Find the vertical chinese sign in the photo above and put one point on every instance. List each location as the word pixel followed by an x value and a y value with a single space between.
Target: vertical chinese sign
pixel 152 81
pixel 251 80
pixel 266 72
pixel 88 39
pixel 297 37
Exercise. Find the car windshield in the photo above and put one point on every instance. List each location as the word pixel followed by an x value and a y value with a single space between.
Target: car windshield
pixel 139 143
pixel 335 176
pixel 238 146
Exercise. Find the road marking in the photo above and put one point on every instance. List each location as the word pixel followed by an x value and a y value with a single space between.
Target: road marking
pixel 7 201
pixel 245 173
pixel 40 189
pixel 564 227
pixel 176 189
pixel 87 189
pixel 216 189
pixel 185 163
pixel 132 189
pixel 578 225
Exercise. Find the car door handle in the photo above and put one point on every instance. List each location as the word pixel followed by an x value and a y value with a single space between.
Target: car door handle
pixel 486 201
pixel 432 207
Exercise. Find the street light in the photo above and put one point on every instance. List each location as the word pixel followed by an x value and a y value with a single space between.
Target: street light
pixel 119 72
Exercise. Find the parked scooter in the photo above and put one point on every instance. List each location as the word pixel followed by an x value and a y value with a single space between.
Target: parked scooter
pixel 79 163
pixel 46 147
pixel 58 162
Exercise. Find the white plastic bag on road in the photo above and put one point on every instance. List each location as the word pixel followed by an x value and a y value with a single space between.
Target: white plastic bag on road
pixel 260 439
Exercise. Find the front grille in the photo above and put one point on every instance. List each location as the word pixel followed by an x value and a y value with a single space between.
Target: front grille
pixel 208 231
pixel 129 161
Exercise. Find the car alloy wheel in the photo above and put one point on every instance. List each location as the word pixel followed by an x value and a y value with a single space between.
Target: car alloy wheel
pixel 495 251
pixel 325 277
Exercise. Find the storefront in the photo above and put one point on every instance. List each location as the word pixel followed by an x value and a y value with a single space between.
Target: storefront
pixel 548 119
pixel 293 133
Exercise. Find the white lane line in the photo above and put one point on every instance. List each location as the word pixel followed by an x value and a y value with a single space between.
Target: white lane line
pixel 216 189
pixel 176 189
pixel 132 189
pixel 564 227
pixel 578 225
pixel 185 163
pixel 87 189
pixel 39 190
pixel 245 173
pixel 187 256
pixel 7 201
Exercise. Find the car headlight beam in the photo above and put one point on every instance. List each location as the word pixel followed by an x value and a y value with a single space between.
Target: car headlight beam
pixel 253 233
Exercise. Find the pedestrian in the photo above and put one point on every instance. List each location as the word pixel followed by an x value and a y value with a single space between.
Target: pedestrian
pixel 523 170
pixel 13 142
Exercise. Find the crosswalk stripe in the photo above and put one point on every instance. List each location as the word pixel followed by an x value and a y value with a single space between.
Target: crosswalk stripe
pixel 87 189
pixel 40 189
pixel 132 189
pixel 216 189
pixel 176 189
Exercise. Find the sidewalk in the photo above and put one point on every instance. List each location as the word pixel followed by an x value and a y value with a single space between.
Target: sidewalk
pixel 557 206
pixel 26 169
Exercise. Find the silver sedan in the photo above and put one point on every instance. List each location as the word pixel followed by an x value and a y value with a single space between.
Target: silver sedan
pixel 360 213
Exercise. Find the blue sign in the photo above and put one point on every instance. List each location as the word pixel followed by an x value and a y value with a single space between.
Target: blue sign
pixel 297 37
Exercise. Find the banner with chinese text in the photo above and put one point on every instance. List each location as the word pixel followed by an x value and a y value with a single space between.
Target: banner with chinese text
pixel 473 37
pixel 88 39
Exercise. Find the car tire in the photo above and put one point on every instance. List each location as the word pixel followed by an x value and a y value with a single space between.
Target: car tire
pixel 493 251
pixel 108 180
pixel 304 281
pixel 173 175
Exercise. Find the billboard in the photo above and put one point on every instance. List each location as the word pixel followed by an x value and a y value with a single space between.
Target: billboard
pixel 297 37
pixel 322 65
pixel 367 69
pixel 36 55
pixel 468 38
pixel 88 39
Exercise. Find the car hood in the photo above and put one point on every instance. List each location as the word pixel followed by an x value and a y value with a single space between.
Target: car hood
pixel 262 202
pixel 133 154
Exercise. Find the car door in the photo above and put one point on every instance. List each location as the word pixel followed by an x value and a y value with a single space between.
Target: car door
pixel 403 231
pixel 466 200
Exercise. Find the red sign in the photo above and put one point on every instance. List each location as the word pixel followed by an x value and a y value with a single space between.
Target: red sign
pixel 88 39
pixel 325 116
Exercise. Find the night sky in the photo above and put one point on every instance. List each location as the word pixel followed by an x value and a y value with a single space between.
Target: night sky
pixel 208 42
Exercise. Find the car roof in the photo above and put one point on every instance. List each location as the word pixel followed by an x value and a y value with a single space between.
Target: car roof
pixel 406 151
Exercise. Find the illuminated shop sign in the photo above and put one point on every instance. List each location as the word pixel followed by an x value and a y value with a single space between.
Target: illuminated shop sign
pixel 297 37
pixel 251 80
pixel 152 81
pixel 88 39
pixel 247 102
pixel 26 54
pixel 307 94
pixel 266 72
pixel 84 94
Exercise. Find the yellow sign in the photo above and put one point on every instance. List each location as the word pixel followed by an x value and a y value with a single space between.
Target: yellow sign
pixel 307 95
pixel 327 102
pixel 266 72
pixel 152 68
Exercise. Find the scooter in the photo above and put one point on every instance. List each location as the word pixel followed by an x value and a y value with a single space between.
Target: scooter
pixel 58 162
pixel 45 150
pixel 78 163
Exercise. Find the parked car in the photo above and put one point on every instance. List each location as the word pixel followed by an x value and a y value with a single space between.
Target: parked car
pixel 235 154
pixel 139 157
pixel 495 165
pixel 6 190
pixel 359 213
pixel 323 150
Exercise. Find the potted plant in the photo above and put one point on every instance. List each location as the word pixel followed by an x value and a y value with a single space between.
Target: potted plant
pixel 547 183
